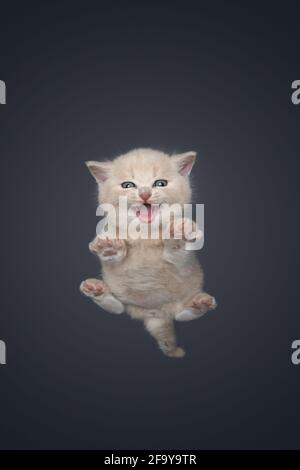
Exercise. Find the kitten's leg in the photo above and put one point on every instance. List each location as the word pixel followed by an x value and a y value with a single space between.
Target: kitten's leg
pixel 180 231
pixel 108 250
pixel 198 306
pixel 164 333
pixel 101 295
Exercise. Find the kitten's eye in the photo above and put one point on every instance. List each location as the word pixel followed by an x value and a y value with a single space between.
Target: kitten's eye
pixel 128 184
pixel 160 183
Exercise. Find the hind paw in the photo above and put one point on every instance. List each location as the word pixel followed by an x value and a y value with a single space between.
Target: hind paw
pixel 203 302
pixel 92 287
pixel 198 306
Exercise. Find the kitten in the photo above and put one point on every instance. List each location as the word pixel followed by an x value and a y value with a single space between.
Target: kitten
pixel 157 281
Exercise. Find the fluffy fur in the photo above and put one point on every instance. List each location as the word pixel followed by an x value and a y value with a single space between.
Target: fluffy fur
pixel 156 281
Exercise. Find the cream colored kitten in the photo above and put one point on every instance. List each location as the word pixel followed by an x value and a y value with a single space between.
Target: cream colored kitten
pixel 157 281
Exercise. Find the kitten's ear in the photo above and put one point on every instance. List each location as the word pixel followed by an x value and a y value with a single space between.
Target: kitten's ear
pixel 185 162
pixel 99 170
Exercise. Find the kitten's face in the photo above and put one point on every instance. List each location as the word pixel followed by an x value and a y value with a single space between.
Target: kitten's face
pixel 146 177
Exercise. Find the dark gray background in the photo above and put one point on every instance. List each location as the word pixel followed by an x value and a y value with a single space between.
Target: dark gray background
pixel 92 80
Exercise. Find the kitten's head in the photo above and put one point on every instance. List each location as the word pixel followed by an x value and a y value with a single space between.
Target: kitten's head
pixel 146 177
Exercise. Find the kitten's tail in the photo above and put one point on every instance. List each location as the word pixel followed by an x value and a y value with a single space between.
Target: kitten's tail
pixel 164 332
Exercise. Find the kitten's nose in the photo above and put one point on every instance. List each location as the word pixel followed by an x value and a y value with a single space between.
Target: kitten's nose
pixel 144 193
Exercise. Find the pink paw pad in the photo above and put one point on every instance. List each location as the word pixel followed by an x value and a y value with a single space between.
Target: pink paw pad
pixel 106 247
pixel 92 287
pixel 204 302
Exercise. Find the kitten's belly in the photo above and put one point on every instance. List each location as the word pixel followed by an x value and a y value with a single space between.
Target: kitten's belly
pixel 147 280
pixel 146 288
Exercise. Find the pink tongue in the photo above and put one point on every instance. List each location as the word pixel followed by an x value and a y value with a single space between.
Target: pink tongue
pixel 146 214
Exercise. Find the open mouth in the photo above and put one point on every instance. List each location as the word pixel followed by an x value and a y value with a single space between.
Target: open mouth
pixel 147 212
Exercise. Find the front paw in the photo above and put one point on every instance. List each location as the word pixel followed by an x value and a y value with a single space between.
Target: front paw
pixel 108 249
pixel 184 229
